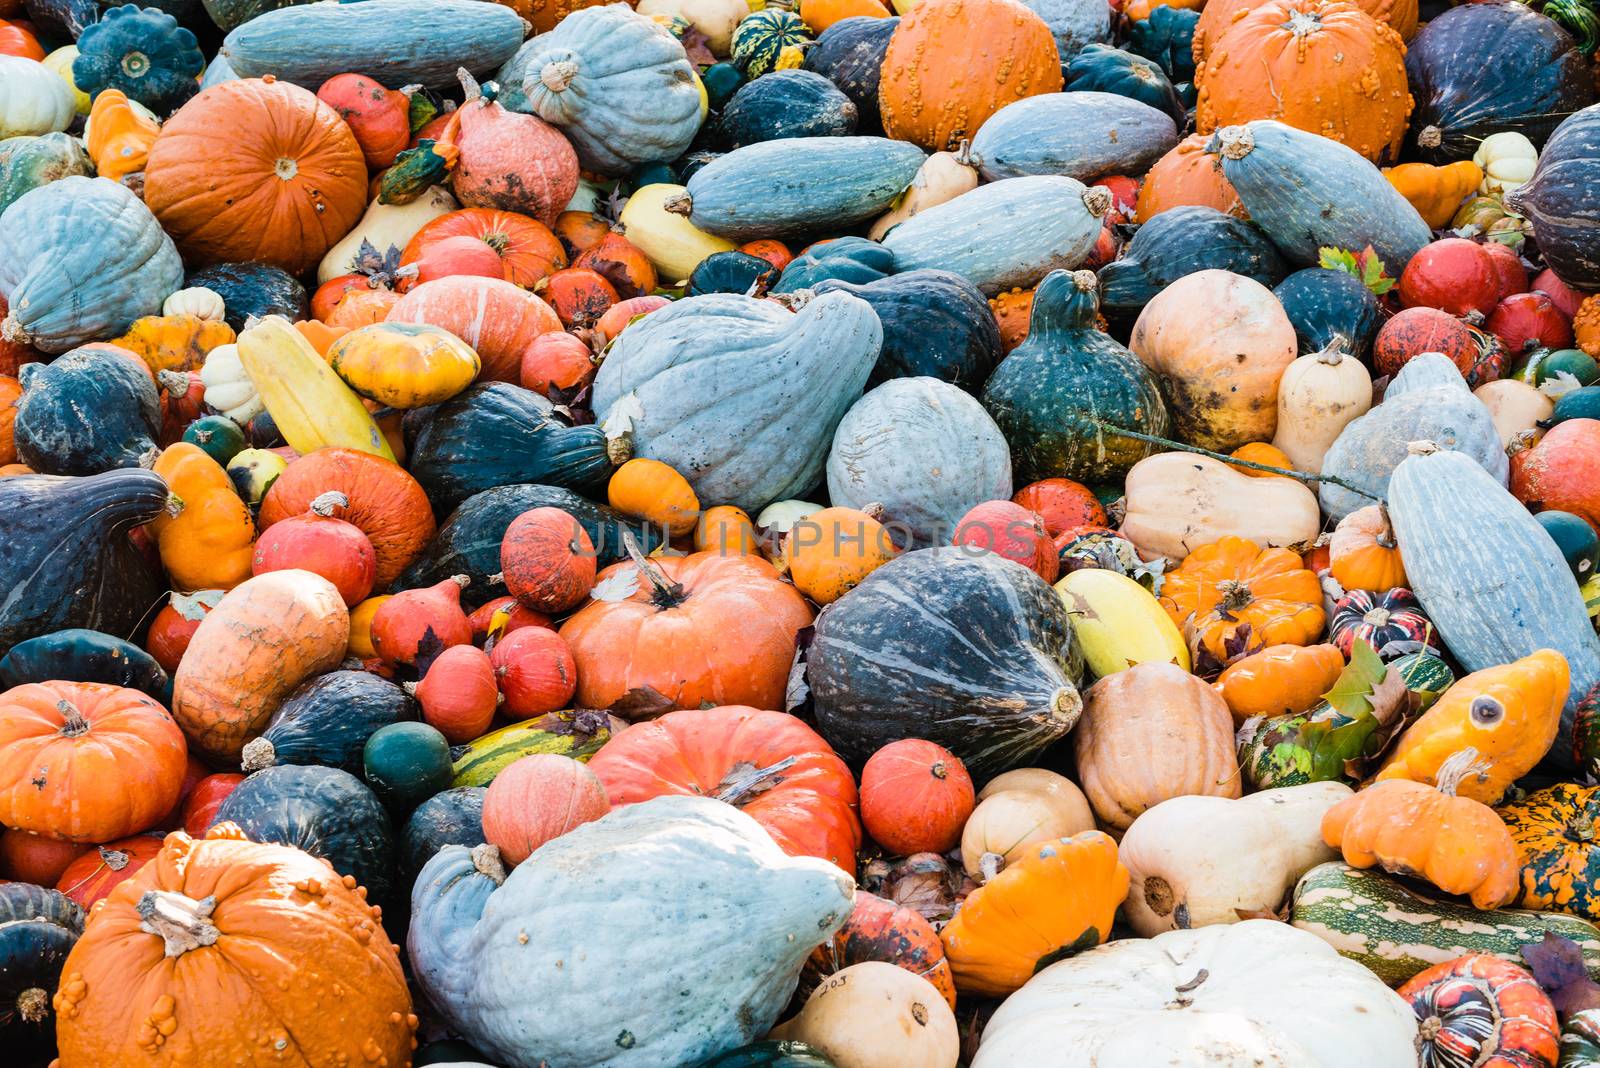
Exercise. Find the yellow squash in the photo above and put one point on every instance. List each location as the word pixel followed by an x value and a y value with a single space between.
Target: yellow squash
pixel 308 402
pixel 205 537
pixel 1436 192
pixel 404 365
pixel 1118 623
pixel 669 241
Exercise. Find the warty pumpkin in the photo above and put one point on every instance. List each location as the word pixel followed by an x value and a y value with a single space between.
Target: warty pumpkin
pixel 206 535
pixel 175 342
pixel 1233 597
pixel 1219 16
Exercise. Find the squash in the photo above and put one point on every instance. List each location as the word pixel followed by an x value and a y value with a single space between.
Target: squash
pixel 1363 555
pixel 1280 680
pixel 1493 598
pixel 714 18
pixel 497 319
pixel 29 162
pixel 1452 1000
pixel 92 410
pixel 849 53
pixel 579 736
pixel 1180 242
pixel 1186 176
pixel 672 243
pixel 253 289
pixel 1101 68
pixel 450 817
pixel 206 535
pixel 1338 198
pixel 388 228
pixel 141 52
pixel 1006 233
pixel 1557 472
pixel 1562 224
pixel 91 877
pixel 1062 395
pixel 1232 594
pixel 768 41
pixel 730 272
pixel 1216 19
pixel 65 557
pixel 1505 161
pixel 1081 134
pixel 870 690
pixel 922 450
pixel 787 104
pixel 1427 400
pixel 824 352
pixel 40 928
pixel 1553 830
pixel 538 799
pixel 942 177
pixel 464 924
pixel 1258 982
pixel 406 763
pixel 933 93
pixel 1436 192
pixel 1319 395
pixel 796 185
pixel 878 930
pixel 404 365
pixel 935 323
pixel 915 797
pixel 1329 308
pixel 846 259
pixel 614 81
pixel 78 655
pixel 1118 623
pixel 1008 823
pixel 80 259
pixel 174 342
pixel 33 100
pixel 306 399
pixel 828 553
pixel 1074 24
pixel 262 640
pixel 327 720
pixel 1177 502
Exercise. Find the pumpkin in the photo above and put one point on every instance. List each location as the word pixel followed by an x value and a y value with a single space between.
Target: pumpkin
pixel 528 251
pixel 537 799
pixel 94 409
pixel 458 694
pixel 1016 813
pixel 1195 368
pixel 33 858
pixel 934 94
pixel 1459 845
pixel 1177 502
pixel 829 552
pixel 1081 134
pixel 265 637
pixel 653 491
pixel 87 762
pixel 33 99
pixel 1187 176
pixel 1217 18
pixel 1554 834
pixel 1100 67
pixel 1233 597
pixel 510 161
pixel 915 797
pixel 118 135
pixel 1011 531
pixel 1319 394
pixel 379 118
pixel 1363 554
pixel 880 930
pixel 1558 471
pixel 555 362
pixel 1330 310
pixel 414 626
pixel 548 560
pixel 387 228
pixel 875 1014
pixel 174 342
pixel 85 656
pixel 17 41
pixel 142 52
pixel 322 542
pixel 206 536
pixel 1436 192
pixel 95 873
pixel 1390 621
pixel 1484 1007
pixel 200 807
pixel 725 529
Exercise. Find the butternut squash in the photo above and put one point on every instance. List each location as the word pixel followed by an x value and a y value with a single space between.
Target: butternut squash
pixel 1515 406
pixel 1178 501
pixel 941 178
pixel 310 404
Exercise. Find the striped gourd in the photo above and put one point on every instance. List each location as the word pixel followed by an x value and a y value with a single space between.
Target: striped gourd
pixel 1005 234
pixel 1083 135
pixel 1490 578
pixel 562 733
pixel 1373 919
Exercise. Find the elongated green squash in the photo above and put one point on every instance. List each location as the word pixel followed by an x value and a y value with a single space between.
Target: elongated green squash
pixel 1083 135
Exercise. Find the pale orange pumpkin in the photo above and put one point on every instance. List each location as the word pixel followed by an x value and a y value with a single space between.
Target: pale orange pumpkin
pixel 1233 597
pixel 536 799
pixel 1187 176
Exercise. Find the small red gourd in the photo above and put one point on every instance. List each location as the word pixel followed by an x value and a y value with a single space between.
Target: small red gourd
pixel 535 672
pixel 1562 295
pixel 557 360
pixel 1012 531
pixel 548 560
pixel 175 625
pixel 1454 275
pixel 1413 331
pixel 418 625
pixel 458 695
pixel 619 315
pixel 460 255
pixel 518 615
pixel 1508 269
pixel 380 118
pixel 320 542
pixel 1062 503
pixel 1525 321
pixel 579 296
pixel 102 869
pixel 620 262
pixel 915 797
pixel 539 798
pixel 200 808
pixel 511 161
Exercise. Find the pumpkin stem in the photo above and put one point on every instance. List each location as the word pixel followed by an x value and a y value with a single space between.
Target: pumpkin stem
pixel 1085 281
pixel 989 866
pixel 1232 142
pixel 324 504
pixel 175 383
pixel 174 505
pixel 963 153
pixel 668 594
pixel 678 203
pixel 746 781
pixel 74 724
pixel 1334 352
pixel 182 922
pixel 1377 617
pixel 1421 448
pixel 1235 595
pixel 1429 137
pixel 33 1005
pixel 1066 705
pixel 557 76
pixel 1581 828
pixel 486 861
pixel 11 330
pixel 1097 198
pixel 258 753
pixel 619 450
pixel 469 86
pixel 1456 767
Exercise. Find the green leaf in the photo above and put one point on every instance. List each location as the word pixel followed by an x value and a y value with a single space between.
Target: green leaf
pixel 1338 259
pixel 1336 744
pixel 1354 686
pixel 421 113
pixel 1373 274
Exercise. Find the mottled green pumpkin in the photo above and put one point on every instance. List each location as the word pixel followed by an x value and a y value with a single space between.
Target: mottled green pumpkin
pixel 29 162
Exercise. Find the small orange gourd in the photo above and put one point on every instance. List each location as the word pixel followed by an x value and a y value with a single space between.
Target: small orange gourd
pixel 1259 452
pixel 1435 191
pixel 1363 553
pixel 1233 584
pixel 206 537
pixel 830 552
pixel 417 625
pixel 725 529
pixel 655 492
pixel 1280 680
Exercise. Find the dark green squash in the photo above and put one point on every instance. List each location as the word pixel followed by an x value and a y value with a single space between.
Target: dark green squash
pixel 787 103
pixel 1053 392
pixel 327 720
pixel 848 259
pixel 721 80
pixel 143 52
pixel 496 434
pixel 327 812
pixel 1180 242
pixel 65 557
pixel 850 55
pixel 1104 69
pixel 61 20
pixel 770 1055
pixel 1558 200
pixel 78 655
pixel 731 272
pixel 230 13
pixel 38 928
pixel 450 817
pixel 406 763
pixel 1167 38
pixel 1544 364
pixel 1324 304
pixel 253 289
pixel 1573 536
pixel 935 323
pixel 1582 403
pixel 468 543
pixel 449 1051
pixel 91 410
pixel 218 435
pixel 962 648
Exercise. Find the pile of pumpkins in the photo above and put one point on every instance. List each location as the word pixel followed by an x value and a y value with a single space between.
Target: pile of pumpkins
pixel 712 534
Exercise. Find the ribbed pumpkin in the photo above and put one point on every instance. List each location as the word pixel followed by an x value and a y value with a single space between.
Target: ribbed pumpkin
pixel 498 319
pixel 1219 16
pixel 528 251
pixel 256 170
pixel 1186 176
pixel 953 63
pixel 1322 65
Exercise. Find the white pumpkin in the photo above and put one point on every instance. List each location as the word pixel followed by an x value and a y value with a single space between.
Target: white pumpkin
pixel 1183 855
pixel 1257 994
pixel 386 226
pixel 716 19
pixel 1318 396
pixel 779 517
pixel 1507 160
pixel 228 388
pixel 198 301
pixel 942 177
pixel 33 98
pixel 1175 502
pixel 875 1015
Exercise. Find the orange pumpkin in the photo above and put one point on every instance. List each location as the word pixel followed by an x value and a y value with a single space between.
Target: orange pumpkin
pixel 361 307
pixel 820 14
pixel 499 320
pixel 579 296
pixel 200 807
pixel 882 930
pixel 1062 503
pixel 1233 597
pixel 829 553
pixel 176 623
pixel 1259 452
pixel 15 40
pixel 1012 311
pixel 528 251
pixel 619 261
pixel 256 169
pixel 10 390
pixel 458 695
pixel 206 536
pixel 1363 553
pixel 534 670
pixel 916 797
pixel 580 231
pixel 1219 16
pixel 543 15
pixel 536 799
pixel 1280 680
pixel 1187 176
pixel 547 559
pixel 725 529
pixel 1320 65
pixel 98 871
pixel 656 493
pixel 86 761
pixel 414 626
pixel 953 63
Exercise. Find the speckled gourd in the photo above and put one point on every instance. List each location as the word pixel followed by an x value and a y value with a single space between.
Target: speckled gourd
pixel 512 961
pixel 1083 135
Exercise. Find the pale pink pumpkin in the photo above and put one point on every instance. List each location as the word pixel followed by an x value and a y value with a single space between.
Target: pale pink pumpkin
pixel 512 162
pixel 497 318
pixel 537 799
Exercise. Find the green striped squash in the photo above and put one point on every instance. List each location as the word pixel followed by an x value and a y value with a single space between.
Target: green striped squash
pixel 769 40
pixel 577 735
pixel 1425 675
pixel 1373 919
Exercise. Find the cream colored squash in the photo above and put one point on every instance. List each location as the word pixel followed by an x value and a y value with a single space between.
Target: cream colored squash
pixel 1184 855
pixel 714 18
pixel 228 389
pixel 1317 397
pixel 1178 501
pixel 198 301
pixel 60 61
pixel 1007 821
pixel 1118 623
pixel 386 226
pixel 875 1015
pixel 33 98
pixel 1515 406
pixel 941 178
pixel 1507 160
pixel 670 241
pixel 780 517
pixel 587 197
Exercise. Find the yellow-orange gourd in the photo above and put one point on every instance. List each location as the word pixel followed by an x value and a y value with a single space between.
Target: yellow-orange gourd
pixel 206 536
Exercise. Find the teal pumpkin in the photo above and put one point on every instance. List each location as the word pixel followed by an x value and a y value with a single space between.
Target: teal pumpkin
pixel 721 80
pixel 1167 37
pixel 78 655
pixel 143 52
pixel 219 436
pixel 1576 539
pixel 29 162
pixel 769 40
pixel 406 763
pixel 1101 68
pixel 1582 403
pixel 844 259
pixel 92 410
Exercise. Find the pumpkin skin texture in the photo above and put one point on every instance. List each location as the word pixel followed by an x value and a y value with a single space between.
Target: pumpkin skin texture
pixel 768 764
pixel 404 365
pixel 294 183
pixel 1457 1000
pixel 462 924
pixel 277 906
pixel 1186 176
pixel 511 161
pixel 97 872
pixel 1058 899
pixel 1553 832
pixel 915 797
pixel 323 543
pixel 997 687
pixel 1363 554
pixel 87 761
pixel 529 252
pixel 1563 225
pixel 538 799
pixel 849 53
pixel 828 553
pixel 787 103
pixel 548 560
pixel 92 410
pixel 933 93
pixel 1234 591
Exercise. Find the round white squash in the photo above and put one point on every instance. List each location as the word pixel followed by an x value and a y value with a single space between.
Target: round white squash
pixel 875 1015
pixel 228 388
pixel 385 226
pixel 33 98
pixel 1061 791
pixel 198 301
pixel 1005 823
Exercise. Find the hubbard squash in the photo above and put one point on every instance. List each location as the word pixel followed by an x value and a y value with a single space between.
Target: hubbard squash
pixel 1181 242
pixel 1318 396
pixel 935 323
pixel 92 410
pixel 1563 224
pixel 1081 134
pixel 1177 502
pixel 1559 471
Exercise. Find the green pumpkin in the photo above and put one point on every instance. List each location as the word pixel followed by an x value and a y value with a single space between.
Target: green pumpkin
pixel 769 1055
pixel 1575 538
pixel 29 162
pixel 847 259
pixel 721 80
pixel 1583 403
pixel 1425 675
pixel 771 39
pixel 1543 365
pixel 77 655
pixel 406 763
pixel 1104 69
pixel 217 435
pixel 143 52
pixel 730 272
pixel 1167 37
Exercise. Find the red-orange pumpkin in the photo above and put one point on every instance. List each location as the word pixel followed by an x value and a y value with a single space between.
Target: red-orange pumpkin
pixel 1562 471
pixel 361 307
pixel 539 798
pixel 1413 331
pixel 548 560
pixel 100 870
pixel 1062 503
pixel 518 616
pixel 619 261
pixel 511 160
pixel 457 256
pixel 579 296
pixel 557 361
pixel 414 626
pixel 580 231
pixel 15 40
pixel 915 797
pixel 200 810
pixel 528 250
pixel 33 858
pixel 176 623
pixel 535 672
pixel 379 118
pixel 621 314
pixel 1187 176
pixel 1012 531
pixel 319 541
pixel 458 695
pixel 881 930
pixel 498 319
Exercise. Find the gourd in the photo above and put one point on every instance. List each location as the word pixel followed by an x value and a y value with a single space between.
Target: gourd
pixel 1233 597
pixel 394 43
pixel 1061 396
pixel 79 655
pixel 942 177
pixel 1102 68
pixel 714 18
pixel 787 104
pixel 253 289
pixel 310 405
pixel 1562 223
pixel 1177 502
pixel 387 228
pixel 875 1015
pixel 579 736
pixel 466 916
pixel 1081 134
pixel 1552 829
pixel 922 449
pixel 509 160
pixel 850 54
pixel 228 388
pixel 768 41
pixel 614 81
pixel 671 242
pixel 80 259
pixel 96 872
pixel 497 319
pixel 1504 161
pixel 1427 400
pixel 845 259
pixel 196 301
pixel 821 356
pixel 92 410
pixel 1307 191
pixel 1557 471
pixel 1180 242
pixel 1318 396
pixel 174 342
pixel 403 365
pixel 327 720
pixel 797 185
pixel 29 162
pixel 1004 234
pixel 1493 599
pixel 1218 369
pixel 1260 982
pixel 141 52
pixel 1007 823
pixel 871 688
pixel 206 536
pixel 1327 306
pixel 450 817
pixel 1436 192
pixel 40 928
pixel 1118 623
pixel 935 324
pixel 1182 855
pixel 33 99
pixel 1186 176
